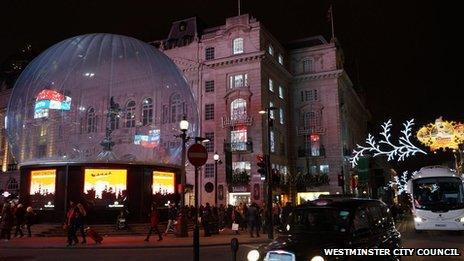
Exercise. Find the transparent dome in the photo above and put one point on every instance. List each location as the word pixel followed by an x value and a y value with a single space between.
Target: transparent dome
pixel 100 97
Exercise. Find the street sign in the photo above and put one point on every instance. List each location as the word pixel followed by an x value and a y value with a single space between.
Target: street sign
pixel 197 155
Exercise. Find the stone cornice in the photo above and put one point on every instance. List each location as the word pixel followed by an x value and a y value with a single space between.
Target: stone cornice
pixel 235 59
pixel 318 76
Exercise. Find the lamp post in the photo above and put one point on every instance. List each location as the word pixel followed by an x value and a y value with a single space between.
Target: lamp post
pixel 184 124
pixel 216 162
pixel 270 123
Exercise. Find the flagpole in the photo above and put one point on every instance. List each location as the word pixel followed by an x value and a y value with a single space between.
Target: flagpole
pixel 238 7
pixel 332 22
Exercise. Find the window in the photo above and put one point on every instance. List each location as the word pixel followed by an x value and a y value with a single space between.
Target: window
pixel 209 86
pixel 209 111
pixel 308 66
pixel 177 108
pixel 238 109
pixel 270 49
pixel 209 53
pixel 114 122
pixel 239 80
pixel 361 221
pixel 272 141
pixel 237 46
pixel 271 85
pixel 241 166
pixel 281 92
pixel 91 120
pixel 209 145
pixel 238 139
pixel 312 120
pixel 130 114
pixel 281 59
pixel 147 111
pixel 313 145
pixel 209 171
pixel 281 116
pixel 324 169
pixel 309 95
pixel 271 112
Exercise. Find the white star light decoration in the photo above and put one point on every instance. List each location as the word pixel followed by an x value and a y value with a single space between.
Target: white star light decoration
pixel 401 182
pixel 385 146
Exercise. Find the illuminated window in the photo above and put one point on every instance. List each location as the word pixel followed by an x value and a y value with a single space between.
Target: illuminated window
pixel 272 141
pixel 238 46
pixel 209 53
pixel 130 114
pixel 271 104
pixel 91 120
pixel 177 108
pixel 281 92
pixel 238 109
pixel 270 50
pixel 238 139
pixel 241 166
pixel 324 169
pixel 209 112
pixel 239 80
pixel 281 59
pixel 271 85
pixel 281 116
pixel 147 111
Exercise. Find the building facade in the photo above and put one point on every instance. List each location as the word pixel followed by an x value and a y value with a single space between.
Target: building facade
pixel 237 69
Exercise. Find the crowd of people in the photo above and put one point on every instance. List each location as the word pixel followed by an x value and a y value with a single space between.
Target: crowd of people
pixel 15 216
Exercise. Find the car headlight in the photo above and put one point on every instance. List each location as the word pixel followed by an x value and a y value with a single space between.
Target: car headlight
pixel 253 255
pixel 317 258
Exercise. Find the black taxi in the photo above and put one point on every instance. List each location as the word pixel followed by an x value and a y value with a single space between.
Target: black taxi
pixel 332 223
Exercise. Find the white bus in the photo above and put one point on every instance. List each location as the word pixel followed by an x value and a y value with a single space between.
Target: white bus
pixel 438 199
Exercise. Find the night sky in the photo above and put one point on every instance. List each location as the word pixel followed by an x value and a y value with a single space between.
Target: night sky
pixel 404 54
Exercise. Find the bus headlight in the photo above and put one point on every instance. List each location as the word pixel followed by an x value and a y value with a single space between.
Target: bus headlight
pixel 253 255
pixel 460 220
pixel 418 219
pixel 317 258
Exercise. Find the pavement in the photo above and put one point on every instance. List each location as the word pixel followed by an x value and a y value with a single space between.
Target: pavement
pixel 133 242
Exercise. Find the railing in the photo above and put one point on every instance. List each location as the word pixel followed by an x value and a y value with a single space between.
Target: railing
pixel 241 119
pixel 241 146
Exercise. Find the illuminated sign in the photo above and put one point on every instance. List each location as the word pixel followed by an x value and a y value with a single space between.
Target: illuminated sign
pixel 309 196
pixel 163 182
pixel 105 184
pixel 50 100
pixel 441 134
pixel 148 141
pixel 43 182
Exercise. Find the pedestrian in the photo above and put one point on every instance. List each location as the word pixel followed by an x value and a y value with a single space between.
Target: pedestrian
pixel 154 220
pixel 80 221
pixel 253 219
pixel 286 210
pixel 70 224
pixel 221 217
pixel 30 219
pixel 7 222
pixel 206 219
pixel 236 220
pixel 19 216
pixel 172 215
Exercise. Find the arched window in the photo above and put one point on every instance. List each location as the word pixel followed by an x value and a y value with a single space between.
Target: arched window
pixel 91 120
pixel 237 46
pixel 147 111
pixel 177 108
pixel 130 114
pixel 238 109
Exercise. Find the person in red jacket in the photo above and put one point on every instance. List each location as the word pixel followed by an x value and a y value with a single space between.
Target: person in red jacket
pixel 154 219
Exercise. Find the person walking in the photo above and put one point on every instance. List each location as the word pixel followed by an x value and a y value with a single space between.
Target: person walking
pixel 70 224
pixel 253 219
pixel 19 216
pixel 7 222
pixel 80 221
pixel 29 219
pixel 236 219
pixel 154 220
pixel 172 215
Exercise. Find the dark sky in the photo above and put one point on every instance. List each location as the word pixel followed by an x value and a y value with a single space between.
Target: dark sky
pixel 403 53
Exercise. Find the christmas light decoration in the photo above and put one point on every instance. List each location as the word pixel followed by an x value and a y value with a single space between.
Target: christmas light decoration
pixel 441 134
pixel 401 182
pixel 404 149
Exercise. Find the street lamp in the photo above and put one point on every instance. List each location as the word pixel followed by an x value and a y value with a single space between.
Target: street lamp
pixel 216 162
pixel 183 125
pixel 270 123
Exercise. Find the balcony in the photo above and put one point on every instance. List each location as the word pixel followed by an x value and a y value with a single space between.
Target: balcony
pixel 241 146
pixel 306 130
pixel 239 119
pixel 306 152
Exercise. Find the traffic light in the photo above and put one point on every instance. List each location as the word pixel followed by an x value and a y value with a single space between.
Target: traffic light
pixel 341 180
pixel 262 167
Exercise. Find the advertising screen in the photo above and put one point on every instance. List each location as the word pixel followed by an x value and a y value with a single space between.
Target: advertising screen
pixel 105 186
pixel 148 141
pixel 42 189
pixel 50 100
pixel 163 182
